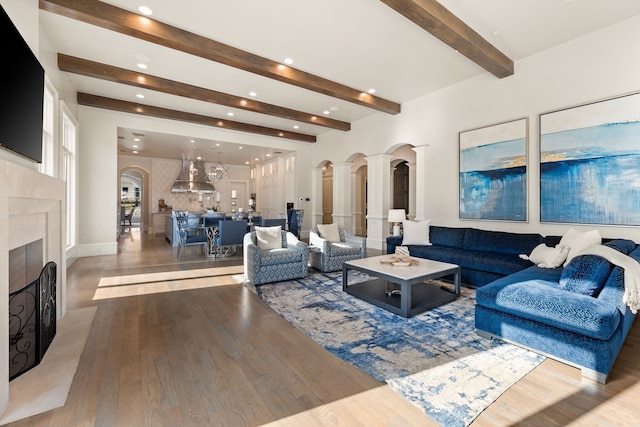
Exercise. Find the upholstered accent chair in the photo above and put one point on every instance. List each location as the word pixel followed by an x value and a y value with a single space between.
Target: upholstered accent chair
pixel 190 231
pixel 278 256
pixel 332 246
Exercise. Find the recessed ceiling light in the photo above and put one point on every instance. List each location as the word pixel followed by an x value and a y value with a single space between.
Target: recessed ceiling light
pixel 240 147
pixel 134 146
pixel 372 91
pixel 288 61
pixel 135 151
pixel 253 94
pixel 230 114
pixel 217 144
pixel 268 155
pixel 139 95
pixel 142 65
pixel 327 112
pixel 145 10
pixel 296 126
pixel 136 139
pixel 192 141
pixel 247 163
pixel 256 159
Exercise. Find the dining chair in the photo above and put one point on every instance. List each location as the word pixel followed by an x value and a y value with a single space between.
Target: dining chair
pixel 190 231
pixel 230 235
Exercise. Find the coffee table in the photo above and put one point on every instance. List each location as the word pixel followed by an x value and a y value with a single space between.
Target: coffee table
pixel 415 295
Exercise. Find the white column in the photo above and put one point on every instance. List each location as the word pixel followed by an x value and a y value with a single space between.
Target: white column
pixel 342 214
pixel 421 182
pixel 412 190
pixel 315 216
pixel 378 197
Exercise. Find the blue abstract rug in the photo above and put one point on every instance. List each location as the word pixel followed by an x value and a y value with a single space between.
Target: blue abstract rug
pixel 435 359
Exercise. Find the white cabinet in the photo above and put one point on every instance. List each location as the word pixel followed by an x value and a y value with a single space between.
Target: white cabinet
pixel 159 219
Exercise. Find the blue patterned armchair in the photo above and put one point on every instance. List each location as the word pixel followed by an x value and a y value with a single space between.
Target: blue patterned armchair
pixel 276 264
pixel 333 246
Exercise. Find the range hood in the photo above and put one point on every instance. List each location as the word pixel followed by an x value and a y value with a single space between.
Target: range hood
pixel 193 178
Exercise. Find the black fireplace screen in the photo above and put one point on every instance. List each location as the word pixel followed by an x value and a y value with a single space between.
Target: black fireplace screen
pixel 32 321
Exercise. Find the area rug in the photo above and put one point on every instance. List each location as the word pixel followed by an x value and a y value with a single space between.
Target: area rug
pixel 435 359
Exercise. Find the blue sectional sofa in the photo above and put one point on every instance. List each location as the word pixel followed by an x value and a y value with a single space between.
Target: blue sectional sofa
pixel 483 256
pixel 573 314
pixel 537 308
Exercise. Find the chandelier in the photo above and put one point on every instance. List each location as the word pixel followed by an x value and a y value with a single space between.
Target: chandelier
pixel 217 171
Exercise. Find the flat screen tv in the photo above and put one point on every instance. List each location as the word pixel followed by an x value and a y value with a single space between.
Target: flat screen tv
pixel 22 94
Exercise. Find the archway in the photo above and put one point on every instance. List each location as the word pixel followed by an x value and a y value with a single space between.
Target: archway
pixel 327 193
pixel 133 185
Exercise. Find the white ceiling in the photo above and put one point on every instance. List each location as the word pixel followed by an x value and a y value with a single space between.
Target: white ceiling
pixel 359 43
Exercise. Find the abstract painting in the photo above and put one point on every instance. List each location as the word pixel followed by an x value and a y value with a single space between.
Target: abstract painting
pixel 493 172
pixel 590 163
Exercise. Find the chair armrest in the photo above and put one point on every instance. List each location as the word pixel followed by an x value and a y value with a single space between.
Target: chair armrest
pixel 323 244
pixel 356 241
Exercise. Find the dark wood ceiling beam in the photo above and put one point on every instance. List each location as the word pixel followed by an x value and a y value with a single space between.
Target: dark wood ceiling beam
pixel 146 81
pixel 164 113
pixel 113 18
pixel 440 22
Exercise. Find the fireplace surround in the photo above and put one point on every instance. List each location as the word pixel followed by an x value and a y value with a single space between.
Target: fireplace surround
pixel 32 207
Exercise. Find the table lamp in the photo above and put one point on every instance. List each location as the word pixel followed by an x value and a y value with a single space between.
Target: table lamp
pixel 396 216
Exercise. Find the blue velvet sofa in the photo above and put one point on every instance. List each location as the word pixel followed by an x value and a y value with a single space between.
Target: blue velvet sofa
pixel 573 314
pixel 483 256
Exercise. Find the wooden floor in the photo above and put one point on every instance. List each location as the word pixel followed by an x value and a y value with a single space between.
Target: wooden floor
pixel 171 348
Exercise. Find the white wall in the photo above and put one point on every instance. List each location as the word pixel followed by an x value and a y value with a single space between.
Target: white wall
pixel 594 67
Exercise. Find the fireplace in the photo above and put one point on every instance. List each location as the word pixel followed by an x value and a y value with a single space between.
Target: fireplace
pixel 32 208
pixel 32 307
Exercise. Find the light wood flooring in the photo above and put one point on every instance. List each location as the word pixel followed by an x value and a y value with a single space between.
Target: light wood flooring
pixel 171 348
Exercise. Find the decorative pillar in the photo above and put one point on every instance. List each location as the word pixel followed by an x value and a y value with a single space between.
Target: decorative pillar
pixel 316 197
pixel 342 214
pixel 412 190
pixel 378 199
pixel 421 182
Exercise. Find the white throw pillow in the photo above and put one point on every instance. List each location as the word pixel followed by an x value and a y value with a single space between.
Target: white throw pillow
pixel 547 257
pixel 416 233
pixel 269 237
pixel 579 241
pixel 329 232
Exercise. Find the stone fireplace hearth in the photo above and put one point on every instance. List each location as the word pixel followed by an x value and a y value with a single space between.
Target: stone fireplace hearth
pixel 32 207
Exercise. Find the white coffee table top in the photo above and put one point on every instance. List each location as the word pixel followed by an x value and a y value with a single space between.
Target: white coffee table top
pixel 426 267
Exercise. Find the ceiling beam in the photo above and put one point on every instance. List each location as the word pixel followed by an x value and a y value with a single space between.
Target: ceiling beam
pixel 440 22
pixel 164 113
pixel 98 70
pixel 113 18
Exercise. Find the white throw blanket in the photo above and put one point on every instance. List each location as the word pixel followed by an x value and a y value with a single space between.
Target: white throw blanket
pixel 631 272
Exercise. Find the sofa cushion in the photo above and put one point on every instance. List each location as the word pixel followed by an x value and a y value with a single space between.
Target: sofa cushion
pixel 542 301
pixel 585 274
pixel 279 256
pixel 415 232
pixel 621 245
pixel 447 236
pixel 476 260
pixel 500 241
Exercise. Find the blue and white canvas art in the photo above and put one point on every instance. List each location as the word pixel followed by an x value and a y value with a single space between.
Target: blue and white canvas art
pixel 493 172
pixel 590 163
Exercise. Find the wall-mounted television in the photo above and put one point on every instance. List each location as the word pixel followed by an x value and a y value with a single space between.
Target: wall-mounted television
pixel 22 95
